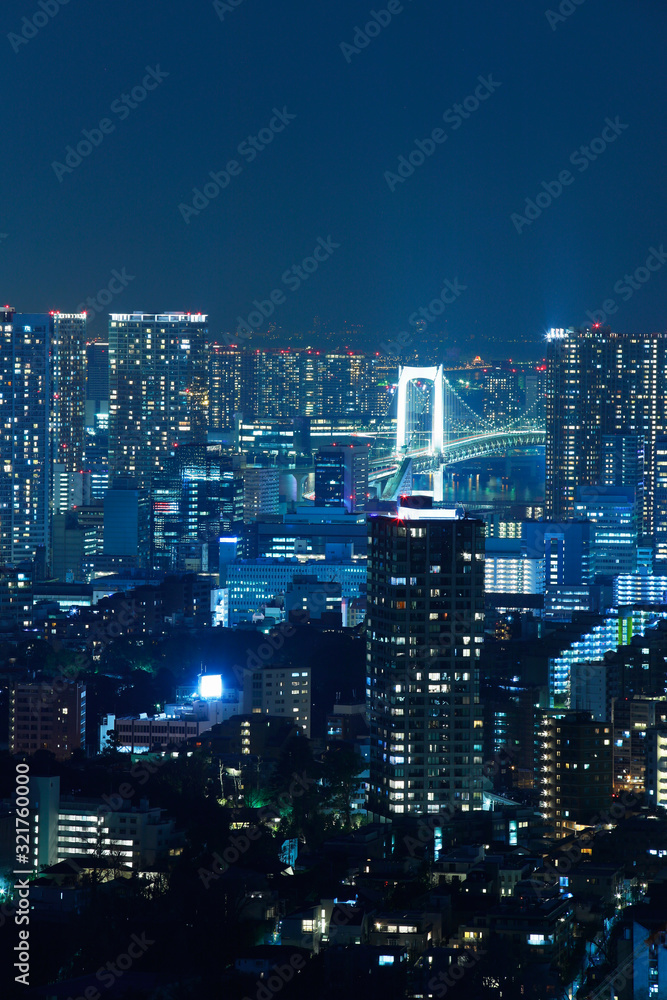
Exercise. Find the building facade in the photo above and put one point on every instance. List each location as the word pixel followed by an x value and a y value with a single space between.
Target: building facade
pixel 47 716
pixel 425 630
pixel 158 390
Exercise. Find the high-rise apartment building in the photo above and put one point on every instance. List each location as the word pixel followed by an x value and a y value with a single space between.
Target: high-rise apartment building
pixel 158 390
pixel 660 507
pixel 576 771
pixel 603 385
pixel 270 384
pixel 425 630
pixel 278 383
pixel 42 415
pixel 68 411
pixel 25 445
pixel 345 383
pixel 503 395
pixel 231 386
pixel 311 387
pixel 577 400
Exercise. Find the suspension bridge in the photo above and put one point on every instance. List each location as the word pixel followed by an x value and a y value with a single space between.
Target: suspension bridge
pixel 435 428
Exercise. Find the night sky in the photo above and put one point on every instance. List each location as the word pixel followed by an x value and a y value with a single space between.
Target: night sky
pixel 221 75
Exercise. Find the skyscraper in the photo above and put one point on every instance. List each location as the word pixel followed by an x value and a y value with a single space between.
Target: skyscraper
pixel 601 385
pixel 425 630
pixel 68 410
pixel 576 401
pixel 25 445
pixel 158 390
pixel 231 385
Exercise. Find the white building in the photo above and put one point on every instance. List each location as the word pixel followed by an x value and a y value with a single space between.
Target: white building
pixel 125 828
pixel 279 691
pixel 178 723
pixel 656 767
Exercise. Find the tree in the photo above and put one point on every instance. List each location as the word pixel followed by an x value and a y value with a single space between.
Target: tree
pixel 342 766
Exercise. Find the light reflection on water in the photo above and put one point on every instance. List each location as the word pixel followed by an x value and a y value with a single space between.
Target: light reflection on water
pixel 492 480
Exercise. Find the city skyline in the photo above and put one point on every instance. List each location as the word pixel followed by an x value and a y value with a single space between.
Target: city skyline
pixel 334 122
pixel 333 500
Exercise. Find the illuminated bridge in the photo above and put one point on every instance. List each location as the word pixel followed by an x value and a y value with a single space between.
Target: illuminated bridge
pixel 435 428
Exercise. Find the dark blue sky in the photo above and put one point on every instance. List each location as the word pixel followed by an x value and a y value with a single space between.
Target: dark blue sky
pixel 323 175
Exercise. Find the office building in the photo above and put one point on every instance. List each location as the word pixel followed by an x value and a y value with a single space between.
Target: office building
pixel 257 584
pixel 261 492
pixel 566 550
pixel 47 716
pixel 74 546
pixel 310 531
pixel 97 371
pixel 126 525
pixel 425 627
pixel 507 570
pixel 308 599
pixel 158 391
pixel 341 477
pixel 612 510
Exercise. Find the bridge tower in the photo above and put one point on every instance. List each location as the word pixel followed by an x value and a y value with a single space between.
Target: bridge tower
pixel 435 375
